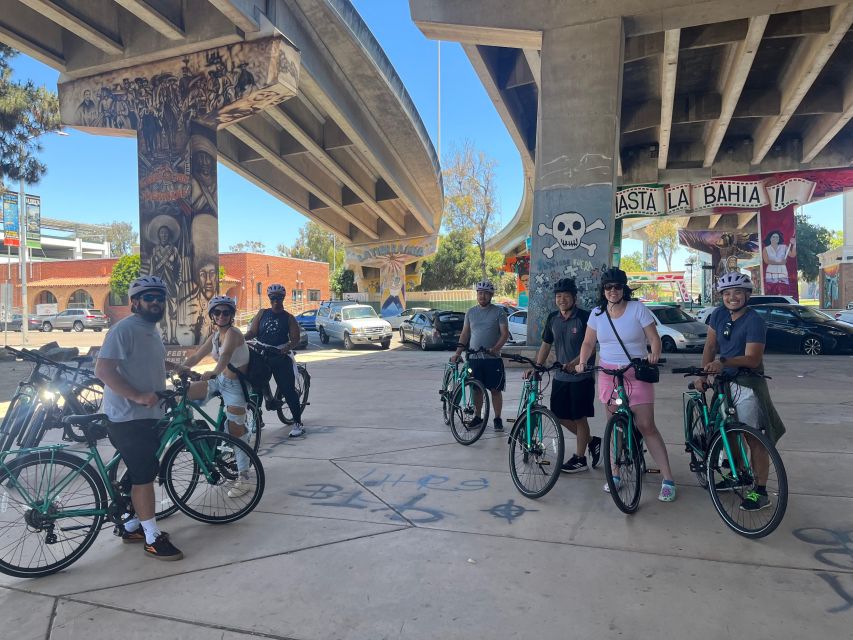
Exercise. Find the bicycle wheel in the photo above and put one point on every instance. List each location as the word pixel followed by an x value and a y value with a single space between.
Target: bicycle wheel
pixel 14 422
pixel 624 458
pixel 465 423
pixel 535 467
pixel 303 384
pixel 164 506
pixel 212 487
pixel 35 538
pixel 35 429
pixel 444 392
pixel 737 501
pixel 254 424
pixel 696 429
pixel 87 399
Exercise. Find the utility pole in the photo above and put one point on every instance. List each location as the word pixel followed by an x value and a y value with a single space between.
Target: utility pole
pixel 22 254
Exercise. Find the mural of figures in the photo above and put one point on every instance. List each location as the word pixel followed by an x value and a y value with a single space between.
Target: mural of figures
pixel 175 106
pixel 830 295
pixel 779 251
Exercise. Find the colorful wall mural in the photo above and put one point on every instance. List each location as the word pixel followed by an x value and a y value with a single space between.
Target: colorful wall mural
pixel 779 251
pixel 830 290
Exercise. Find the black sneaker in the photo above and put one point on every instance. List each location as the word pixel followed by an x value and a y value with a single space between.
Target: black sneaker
pixel 594 449
pixel 755 501
pixel 132 537
pixel 499 424
pixel 162 549
pixel 475 423
pixel 575 464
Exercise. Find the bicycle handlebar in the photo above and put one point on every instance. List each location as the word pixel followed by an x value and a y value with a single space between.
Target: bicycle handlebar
pixel 529 361
pixel 630 365
pixel 699 371
pixel 472 352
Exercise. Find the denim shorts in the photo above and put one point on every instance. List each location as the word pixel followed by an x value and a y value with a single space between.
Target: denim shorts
pixel 230 390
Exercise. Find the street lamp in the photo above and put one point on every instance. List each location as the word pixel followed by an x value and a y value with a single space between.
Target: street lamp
pixel 22 241
pixel 689 266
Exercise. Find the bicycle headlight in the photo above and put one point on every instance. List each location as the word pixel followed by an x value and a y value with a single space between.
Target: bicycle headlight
pixel 48 395
pixel 617 401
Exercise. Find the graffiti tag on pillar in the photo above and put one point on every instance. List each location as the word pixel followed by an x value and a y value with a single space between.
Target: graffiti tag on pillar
pixel 568 230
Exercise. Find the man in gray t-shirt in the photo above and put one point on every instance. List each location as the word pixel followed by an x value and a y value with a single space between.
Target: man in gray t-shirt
pixel 486 327
pixel 132 366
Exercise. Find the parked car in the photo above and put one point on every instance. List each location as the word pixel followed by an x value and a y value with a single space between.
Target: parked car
pixel 353 324
pixel 303 339
pixel 702 315
pixel 508 308
pixel 518 327
pixel 770 299
pixel 433 329
pixel 307 319
pixel 794 327
pixel 678 330
pixel 76 319
pixel 408 314
pixel 845 316
pixel 14 323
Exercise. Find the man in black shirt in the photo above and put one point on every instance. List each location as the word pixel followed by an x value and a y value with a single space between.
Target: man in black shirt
pixel 572 394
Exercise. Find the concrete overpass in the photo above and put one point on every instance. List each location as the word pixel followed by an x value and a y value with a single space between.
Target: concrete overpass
pixel 599 95
pixel 296 96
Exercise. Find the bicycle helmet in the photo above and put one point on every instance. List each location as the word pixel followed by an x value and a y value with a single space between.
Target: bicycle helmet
pixel 146 283
pixel 734 280
pixel 566 285
pixel 614 275
pixel 220 301
pixel 485 285
pixel 276 289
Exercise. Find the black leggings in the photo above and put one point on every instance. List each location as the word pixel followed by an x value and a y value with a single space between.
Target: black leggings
pixel 282 370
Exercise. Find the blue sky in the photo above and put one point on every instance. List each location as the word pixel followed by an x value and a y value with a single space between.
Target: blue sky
pixel 93 178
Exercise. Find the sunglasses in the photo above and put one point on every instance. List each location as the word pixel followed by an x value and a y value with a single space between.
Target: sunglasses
pixel 613 287
pixel 276 298
pixel 153 297
pixel 221 312
pixel 727 329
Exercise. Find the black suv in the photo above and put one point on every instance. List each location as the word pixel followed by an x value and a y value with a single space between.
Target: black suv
pixel 794 327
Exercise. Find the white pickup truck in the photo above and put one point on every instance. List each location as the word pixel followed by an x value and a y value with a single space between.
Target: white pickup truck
pixel 353 324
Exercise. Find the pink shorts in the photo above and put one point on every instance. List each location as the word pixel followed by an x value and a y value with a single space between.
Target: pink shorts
pixel 638 392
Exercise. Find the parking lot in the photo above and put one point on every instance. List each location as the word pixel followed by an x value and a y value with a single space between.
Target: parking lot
pixel 379 525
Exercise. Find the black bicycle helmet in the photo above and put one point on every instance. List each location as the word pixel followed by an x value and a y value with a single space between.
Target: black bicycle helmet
pixel 614 275
pixel 566 285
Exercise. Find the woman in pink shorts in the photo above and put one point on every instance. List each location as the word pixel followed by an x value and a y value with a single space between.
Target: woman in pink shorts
pixel 636 326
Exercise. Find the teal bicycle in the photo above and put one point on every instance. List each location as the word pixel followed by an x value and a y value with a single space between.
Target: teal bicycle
pixel 732 459
pixel 460 393
pixel 536 444
pixel 54 501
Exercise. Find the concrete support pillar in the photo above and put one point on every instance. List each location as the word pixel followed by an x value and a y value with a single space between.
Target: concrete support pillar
pixel 576 163
pixel 174 107
pixel 848 221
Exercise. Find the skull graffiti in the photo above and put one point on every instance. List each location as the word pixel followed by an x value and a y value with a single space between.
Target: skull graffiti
pixel 568 229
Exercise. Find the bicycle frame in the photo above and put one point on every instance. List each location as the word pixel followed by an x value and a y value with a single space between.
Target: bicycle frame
pixel 716 418
pixel 529 399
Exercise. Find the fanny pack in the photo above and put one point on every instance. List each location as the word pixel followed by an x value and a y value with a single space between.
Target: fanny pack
pixel 644 371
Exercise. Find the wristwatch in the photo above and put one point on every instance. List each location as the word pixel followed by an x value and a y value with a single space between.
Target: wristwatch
pixel 723 359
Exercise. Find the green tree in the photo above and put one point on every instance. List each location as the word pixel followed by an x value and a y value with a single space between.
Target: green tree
pixel 633 262
pixel 663 234
pixel 314 243
pixel 450 266
pixel 122 238
pixel 812 240
pixel 470 197
pixel 836 239
pixel 248 246
pixel 26 112
pixel 125 270
pixel 342 281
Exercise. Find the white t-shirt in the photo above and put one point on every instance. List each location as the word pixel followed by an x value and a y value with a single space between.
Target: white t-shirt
pixel 630 326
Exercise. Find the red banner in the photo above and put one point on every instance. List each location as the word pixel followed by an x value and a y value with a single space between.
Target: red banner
pixel 778 251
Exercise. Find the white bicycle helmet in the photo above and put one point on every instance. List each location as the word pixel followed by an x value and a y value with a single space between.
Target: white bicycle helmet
pixel 146 283
pixel 734 280
pixel 276 288
pixel 219 301
pixel 485 285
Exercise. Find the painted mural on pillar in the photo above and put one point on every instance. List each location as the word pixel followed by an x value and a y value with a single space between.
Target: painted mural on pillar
pixel 391 259
pixel 571 239
pixel 175 107
pixel 779 251
pixel 830 294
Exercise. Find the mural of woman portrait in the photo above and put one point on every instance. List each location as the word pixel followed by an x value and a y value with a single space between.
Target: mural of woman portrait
pixel 775 256
pixel 205 274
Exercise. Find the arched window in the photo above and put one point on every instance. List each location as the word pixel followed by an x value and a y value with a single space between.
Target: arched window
pixel 81 299
pixel 45 297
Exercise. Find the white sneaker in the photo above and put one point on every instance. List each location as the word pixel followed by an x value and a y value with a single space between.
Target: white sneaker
pixel 298 430
pixel 239 487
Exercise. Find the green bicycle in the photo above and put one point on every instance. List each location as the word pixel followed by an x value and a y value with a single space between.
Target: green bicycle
pixel 536 444
pixel 459 393
pixel 53 501
pixel 731 459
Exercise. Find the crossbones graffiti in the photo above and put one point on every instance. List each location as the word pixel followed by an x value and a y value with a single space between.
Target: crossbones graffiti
pixel 568 229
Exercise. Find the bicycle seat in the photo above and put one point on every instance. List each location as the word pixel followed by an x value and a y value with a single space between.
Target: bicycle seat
pixel 85 419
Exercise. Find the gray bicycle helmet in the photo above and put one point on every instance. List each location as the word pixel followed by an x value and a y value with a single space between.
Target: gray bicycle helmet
pixel 734 280
pixel 220 301
pixel 146 283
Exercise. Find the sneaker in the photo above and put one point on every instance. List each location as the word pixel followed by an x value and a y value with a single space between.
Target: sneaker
pixel 755 501
pixel 499 424
pixel 667 492
pixel 239 487
pixel 730 484
pixel 132 537
pixel 475 423
pixel 575 464
pixel 162 549
pixel 296 431
pixel 616 481
pixel 595 450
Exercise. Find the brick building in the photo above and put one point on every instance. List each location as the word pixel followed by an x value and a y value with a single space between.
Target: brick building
pixel 80 283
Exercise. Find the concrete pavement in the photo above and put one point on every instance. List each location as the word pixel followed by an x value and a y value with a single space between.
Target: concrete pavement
pixel 378 525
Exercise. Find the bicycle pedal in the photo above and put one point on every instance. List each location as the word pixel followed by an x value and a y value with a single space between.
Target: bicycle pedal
pixel 649 470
